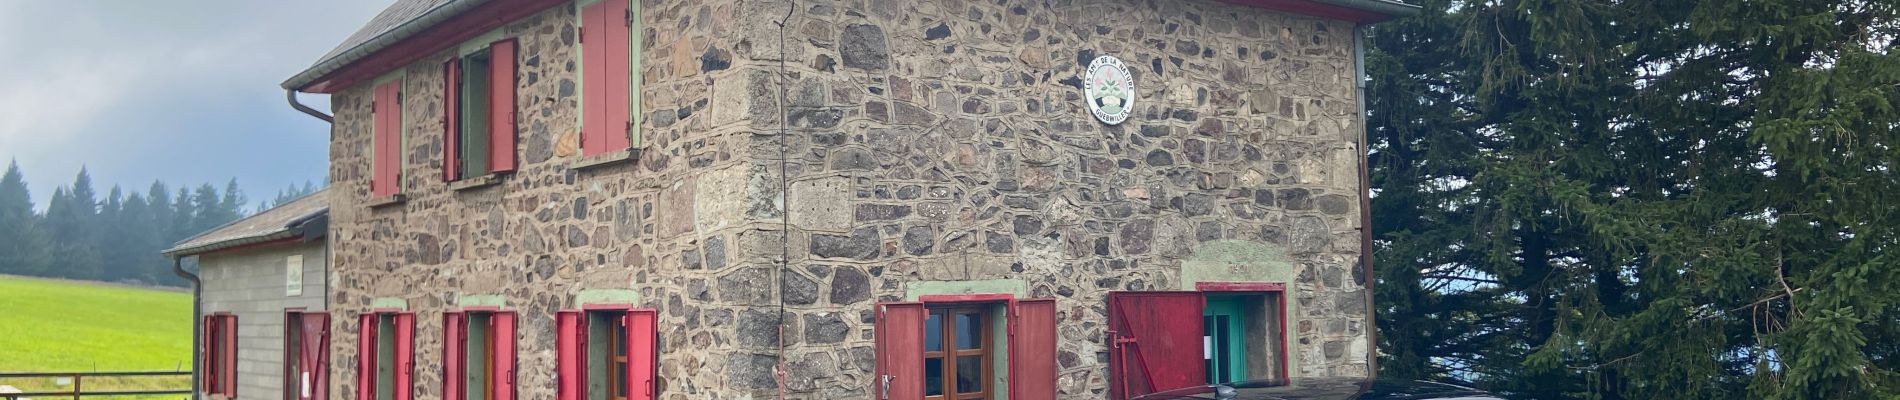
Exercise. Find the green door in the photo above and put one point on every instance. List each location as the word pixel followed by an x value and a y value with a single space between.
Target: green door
pixel 1224 349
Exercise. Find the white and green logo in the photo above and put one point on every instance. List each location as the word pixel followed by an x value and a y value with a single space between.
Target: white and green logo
pixel 1110 90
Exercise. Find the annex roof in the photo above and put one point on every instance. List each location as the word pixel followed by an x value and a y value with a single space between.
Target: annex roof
pixel 306 217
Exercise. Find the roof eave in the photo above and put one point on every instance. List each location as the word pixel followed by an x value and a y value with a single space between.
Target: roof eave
pixel 324 67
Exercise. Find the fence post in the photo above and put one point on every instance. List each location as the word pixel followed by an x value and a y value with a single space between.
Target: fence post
pixel 76 389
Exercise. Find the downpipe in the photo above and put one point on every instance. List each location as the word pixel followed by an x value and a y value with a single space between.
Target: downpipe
pixel 197 329
pixel 291 95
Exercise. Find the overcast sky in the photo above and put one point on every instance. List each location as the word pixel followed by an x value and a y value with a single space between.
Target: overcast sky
pixel 185 90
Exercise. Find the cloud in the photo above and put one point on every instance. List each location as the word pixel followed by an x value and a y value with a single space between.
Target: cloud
pixel 184 91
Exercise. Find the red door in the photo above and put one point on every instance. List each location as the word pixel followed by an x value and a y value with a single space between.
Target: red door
pixel 1032 349
pixel 313 357
pixel 1154 342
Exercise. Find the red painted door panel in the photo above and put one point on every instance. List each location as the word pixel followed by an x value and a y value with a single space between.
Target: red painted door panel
pixel 569 355
pixel 642 353
pixel 454 346
pixel 1154 342
pixel 1032 350
pixel 593 79
pixel 313 357
pixel 504 355
pixel 405 356
pixel 900 351
pixel 366 356
pixel 451 118
pixel 501 103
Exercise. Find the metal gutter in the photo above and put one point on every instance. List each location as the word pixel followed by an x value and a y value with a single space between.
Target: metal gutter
pixel 291 94
pixel 430 18
pixel 1392 8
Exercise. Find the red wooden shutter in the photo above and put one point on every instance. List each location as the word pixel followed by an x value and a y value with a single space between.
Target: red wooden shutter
pixel 619 46
pixel 1154 342
pixel 569 355
pixel 313 355
pixel 643 356
pixel 209 355
pixel 388 137
pixel 451 118
pixel 366 357
pixel 405 356
pixel 1032 350
pixel 229 341
pixel 593 79
pixel 900 351
pixel 454 344
pixel 501 104
pixel 503 376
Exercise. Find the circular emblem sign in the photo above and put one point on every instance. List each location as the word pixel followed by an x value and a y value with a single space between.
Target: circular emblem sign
pixel 1110 90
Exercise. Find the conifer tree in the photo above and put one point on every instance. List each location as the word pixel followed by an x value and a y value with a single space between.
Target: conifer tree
pixel 22 241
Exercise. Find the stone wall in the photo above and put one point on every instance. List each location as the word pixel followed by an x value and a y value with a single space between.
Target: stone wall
pixel 921 141
pixel 948 140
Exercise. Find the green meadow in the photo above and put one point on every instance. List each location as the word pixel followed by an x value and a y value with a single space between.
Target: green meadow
pixel 66 326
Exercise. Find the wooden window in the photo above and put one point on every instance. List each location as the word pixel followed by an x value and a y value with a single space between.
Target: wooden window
pixel 479 115
pixel 220 355
pixel 479 355
pixel 606 354
pixel 610 66
pixel 385 365
pixel 386 146
pixel 953 349
pixel 306 355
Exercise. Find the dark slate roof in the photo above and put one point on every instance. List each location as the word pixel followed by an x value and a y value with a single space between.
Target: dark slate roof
pixel 305 217
pixel 397 14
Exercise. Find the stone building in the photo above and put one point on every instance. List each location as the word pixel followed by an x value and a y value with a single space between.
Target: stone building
pixel 260 297
pixel 733 198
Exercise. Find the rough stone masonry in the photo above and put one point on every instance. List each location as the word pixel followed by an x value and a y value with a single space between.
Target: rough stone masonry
pixel 874 145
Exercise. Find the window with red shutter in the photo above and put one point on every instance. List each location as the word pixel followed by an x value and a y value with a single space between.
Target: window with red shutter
pixel 386 164
pixel 1032 350
pixel 454 351
pixel 569 355
pixel 641 354
pixel 609 71
pixel 451 120
pixel 480 355
pixel 405 351
pixel 623 340
pixel 228 368
pixel 501 114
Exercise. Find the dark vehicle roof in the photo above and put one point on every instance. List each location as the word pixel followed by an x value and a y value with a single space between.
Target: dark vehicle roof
pixel 1325 389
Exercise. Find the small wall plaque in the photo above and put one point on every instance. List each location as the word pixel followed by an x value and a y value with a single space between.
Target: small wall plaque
pixel 1110 90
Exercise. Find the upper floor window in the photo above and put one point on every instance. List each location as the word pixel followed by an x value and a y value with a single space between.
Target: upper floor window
pixel 610 67
pixel 386 149
pixel 479 111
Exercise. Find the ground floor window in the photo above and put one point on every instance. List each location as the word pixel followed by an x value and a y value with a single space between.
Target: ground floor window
pixel 386 355
pixel 306 355
pixel 1224 333
pixel 220 355
pixel 966 347
pixel 607 354
pixel 479 355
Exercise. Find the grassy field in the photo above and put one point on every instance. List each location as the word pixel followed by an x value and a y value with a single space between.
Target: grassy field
pixel 61 326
